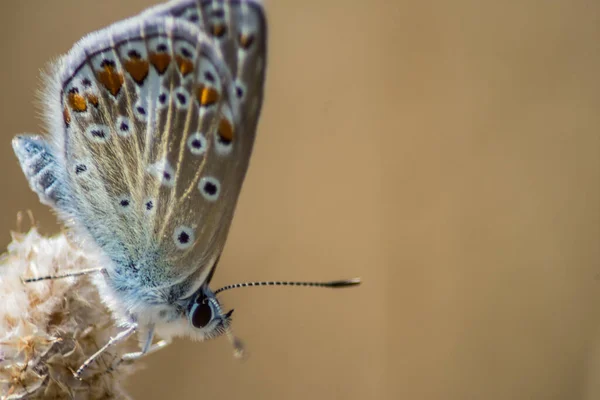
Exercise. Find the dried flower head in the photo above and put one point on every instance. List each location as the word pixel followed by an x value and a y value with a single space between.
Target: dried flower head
pixel 49 328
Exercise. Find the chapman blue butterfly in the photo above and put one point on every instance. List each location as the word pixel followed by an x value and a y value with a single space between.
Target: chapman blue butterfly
pixel 152 121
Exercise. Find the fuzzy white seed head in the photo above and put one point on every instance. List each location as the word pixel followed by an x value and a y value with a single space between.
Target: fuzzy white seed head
pixel 49 328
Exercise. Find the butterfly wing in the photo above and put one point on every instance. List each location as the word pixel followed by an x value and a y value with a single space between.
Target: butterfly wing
pixel 154 151
pixel 40 166
pixel 238 28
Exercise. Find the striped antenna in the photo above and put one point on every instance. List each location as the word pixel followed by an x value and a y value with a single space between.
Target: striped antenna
pixel 332 284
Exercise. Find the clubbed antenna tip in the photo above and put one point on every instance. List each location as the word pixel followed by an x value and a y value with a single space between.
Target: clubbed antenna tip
pixel 331 284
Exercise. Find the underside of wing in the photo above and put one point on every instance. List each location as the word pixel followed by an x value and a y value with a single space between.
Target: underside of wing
pixel 238 28
pixel 154 150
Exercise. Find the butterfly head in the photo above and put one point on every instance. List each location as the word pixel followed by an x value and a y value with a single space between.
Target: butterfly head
pixel 207 319
pixel 205 315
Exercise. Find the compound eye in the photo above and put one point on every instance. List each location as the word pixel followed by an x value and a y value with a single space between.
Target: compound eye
pixel 200 315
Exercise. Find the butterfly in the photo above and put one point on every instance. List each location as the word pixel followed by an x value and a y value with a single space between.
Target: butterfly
pixel 152 124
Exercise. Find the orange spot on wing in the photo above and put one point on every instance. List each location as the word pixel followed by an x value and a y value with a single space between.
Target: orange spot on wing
pixel 225 130
pixel 77 102
pixel 207 96
pixel 160 61
pixel 111 79
pixel 66 116
pixel 93 99
pixel 185 65
pixel 218 30
pixel 246 41
pixel 137 68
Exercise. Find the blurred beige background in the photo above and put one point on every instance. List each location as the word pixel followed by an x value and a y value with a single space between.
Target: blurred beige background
pixel 447 152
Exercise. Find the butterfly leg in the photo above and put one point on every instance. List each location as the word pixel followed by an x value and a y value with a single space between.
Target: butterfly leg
pixel 147 349
pixel 121 336
pixel 139 354
pixel 66 275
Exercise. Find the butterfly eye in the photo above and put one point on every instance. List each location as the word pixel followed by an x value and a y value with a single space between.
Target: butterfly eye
pixel 200 314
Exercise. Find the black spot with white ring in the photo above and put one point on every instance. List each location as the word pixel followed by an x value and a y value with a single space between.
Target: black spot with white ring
pixel 98 133
pixel 123 126
pixel 183 237
pixel 239 91
pixel 186 52
pixel 81 169
pixel 182 98
pixel 210 188
pixel 209 77
pixel 197 144
pixel 140 112
pixel 163 171
pixel 163 98
pixel 124 204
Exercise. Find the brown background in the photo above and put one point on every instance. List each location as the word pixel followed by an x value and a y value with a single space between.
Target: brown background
pixel 447 152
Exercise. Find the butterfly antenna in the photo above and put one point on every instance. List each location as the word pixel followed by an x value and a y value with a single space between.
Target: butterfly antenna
pixel 332 284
